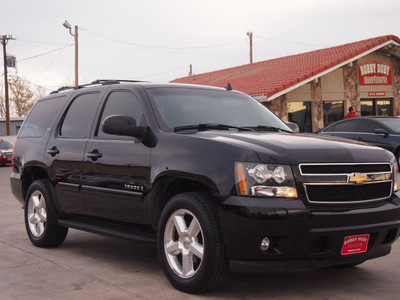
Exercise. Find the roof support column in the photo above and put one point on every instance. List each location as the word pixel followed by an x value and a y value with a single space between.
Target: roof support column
pixel 396 84
pixel 351 87
pixel 317 107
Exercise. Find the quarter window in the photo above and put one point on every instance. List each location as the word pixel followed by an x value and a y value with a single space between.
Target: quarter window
pixel 41 116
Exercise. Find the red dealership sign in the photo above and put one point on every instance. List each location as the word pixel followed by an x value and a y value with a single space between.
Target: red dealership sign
pixel 375 73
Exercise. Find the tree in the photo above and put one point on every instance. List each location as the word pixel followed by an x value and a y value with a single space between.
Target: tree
pixel 21 95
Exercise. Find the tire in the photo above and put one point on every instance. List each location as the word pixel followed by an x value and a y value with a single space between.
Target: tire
pixel 190 244
pixel 41 217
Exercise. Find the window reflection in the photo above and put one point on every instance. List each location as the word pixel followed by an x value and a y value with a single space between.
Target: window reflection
pixel 300 113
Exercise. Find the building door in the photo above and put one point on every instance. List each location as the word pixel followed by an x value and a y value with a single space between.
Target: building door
pixel 376 107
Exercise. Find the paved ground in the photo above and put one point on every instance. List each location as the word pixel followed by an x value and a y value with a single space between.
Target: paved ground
pixel 88 266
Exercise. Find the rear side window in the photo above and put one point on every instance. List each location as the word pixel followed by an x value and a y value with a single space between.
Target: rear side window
pixel 79 117
pixel 41 116
pixel 348 126
pixel 369 126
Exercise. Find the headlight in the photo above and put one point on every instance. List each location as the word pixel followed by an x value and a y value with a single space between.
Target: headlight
pixel 265 180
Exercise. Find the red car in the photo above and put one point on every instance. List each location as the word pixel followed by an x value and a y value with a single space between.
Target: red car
pixel 6 150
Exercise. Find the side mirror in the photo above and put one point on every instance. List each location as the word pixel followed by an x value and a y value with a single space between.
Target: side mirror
pixel 123 125
pixel 293 126
pixel 381 131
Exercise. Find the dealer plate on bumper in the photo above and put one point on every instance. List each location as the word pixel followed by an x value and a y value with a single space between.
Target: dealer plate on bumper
pixel 355 244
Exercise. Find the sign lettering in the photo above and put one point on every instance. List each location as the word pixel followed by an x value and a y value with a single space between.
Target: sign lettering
pixel 375 73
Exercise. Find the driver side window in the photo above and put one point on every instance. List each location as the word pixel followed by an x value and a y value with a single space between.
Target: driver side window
pixel 119 103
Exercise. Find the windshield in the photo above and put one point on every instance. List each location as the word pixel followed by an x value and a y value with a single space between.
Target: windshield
pixel 179 107
pixel 392 123
pixel 5 145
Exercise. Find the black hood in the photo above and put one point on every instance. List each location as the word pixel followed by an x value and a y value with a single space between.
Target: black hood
pixel 286 148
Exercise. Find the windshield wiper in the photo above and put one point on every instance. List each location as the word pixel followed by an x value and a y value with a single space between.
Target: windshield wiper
pixel 269 128
pixel 209 126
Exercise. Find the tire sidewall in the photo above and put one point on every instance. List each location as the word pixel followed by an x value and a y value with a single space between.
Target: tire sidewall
pixel 53 235
pixel 200 279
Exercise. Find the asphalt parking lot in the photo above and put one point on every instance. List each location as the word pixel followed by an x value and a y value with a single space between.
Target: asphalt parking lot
pixel 89 266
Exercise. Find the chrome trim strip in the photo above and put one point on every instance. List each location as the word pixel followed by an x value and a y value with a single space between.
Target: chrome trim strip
pixel 114 191
pixel 342 164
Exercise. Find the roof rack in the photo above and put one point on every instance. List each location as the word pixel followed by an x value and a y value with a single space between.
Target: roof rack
pixel 94 83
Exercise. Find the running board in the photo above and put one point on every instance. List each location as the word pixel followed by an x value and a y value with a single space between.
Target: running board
pixel 110 230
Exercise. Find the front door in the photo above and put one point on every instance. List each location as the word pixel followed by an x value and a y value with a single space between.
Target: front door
pixel 116 168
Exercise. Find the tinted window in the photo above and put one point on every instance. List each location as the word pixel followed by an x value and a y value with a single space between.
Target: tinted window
pixel 120 103
pixel 187 106
pixel 368 126
pixel 347 126
pixel 80 116
pixel 40 117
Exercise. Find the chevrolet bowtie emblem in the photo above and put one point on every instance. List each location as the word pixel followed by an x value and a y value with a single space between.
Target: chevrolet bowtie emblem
pixel 358 178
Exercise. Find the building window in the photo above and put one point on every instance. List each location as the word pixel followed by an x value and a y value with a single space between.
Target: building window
pixel 376 107
pixel 333 111
pixel 300 113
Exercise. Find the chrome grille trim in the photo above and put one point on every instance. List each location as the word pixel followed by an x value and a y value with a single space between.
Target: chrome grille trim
pixel 336 180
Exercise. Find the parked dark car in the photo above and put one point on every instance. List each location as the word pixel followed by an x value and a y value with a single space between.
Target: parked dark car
pixel 380 131
pixel 6 150
pixel 210 175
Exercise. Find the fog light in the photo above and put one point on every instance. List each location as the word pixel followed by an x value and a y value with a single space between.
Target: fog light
pixel 265 243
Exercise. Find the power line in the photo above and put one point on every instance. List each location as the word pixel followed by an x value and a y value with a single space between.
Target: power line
pixel 161 47
pixel 58 55
pixel 46 52
pixel 169 71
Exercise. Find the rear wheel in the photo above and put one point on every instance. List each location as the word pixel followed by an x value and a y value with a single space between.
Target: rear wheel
pixel 190 246
pixel 41 216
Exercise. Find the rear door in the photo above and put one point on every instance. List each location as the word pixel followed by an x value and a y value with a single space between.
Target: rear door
pixel 116 168
pixel 66 147
pixel 346 129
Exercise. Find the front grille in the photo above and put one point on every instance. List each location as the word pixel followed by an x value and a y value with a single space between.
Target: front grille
pixel 343 168
pixel 338 183
pixel 348 193
pixel 7 154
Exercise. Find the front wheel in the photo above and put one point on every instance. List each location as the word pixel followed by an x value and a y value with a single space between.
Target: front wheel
pixel 190 245
pixel 41 217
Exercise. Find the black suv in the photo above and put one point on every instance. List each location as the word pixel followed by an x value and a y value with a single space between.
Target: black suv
pixel 210 175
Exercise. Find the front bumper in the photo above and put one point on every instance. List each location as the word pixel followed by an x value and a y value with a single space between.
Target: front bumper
pixel 302 238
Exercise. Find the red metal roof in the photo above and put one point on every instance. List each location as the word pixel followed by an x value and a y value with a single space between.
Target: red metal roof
pixel 267 78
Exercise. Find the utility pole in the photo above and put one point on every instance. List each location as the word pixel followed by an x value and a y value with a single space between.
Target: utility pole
pixel 250 34
pixel 76 56
pixel 68 26
pixel 4 41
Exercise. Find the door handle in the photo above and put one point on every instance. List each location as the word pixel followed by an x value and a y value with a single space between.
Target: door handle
pixel 94 155
pixel 53 151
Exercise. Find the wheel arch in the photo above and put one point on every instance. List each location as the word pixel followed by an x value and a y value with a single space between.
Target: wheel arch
pixel 30 174
pixel 169 185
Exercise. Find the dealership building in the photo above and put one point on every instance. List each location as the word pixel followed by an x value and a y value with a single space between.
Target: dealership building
pixel 316 88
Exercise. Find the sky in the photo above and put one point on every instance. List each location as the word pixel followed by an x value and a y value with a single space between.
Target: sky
pixel 157 40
